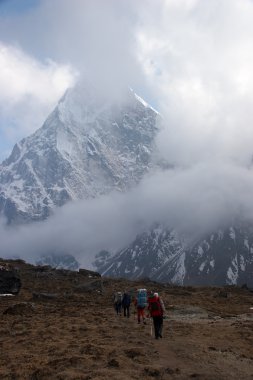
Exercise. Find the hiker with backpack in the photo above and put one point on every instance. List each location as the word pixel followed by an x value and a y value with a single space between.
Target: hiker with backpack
pixel 141 303
pixel 117 302
pixel 126 302
pixel 156 309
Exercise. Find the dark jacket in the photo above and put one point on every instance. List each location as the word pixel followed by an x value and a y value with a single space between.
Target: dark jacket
pixel 126 300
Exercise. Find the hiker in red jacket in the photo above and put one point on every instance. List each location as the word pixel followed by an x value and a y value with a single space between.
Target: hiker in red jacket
pixel 156 309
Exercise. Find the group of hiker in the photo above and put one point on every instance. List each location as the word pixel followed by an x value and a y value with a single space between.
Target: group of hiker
pixel 147 304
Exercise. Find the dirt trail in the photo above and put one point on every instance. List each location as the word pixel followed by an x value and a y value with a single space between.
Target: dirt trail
pixel 76 335
pixel 195 347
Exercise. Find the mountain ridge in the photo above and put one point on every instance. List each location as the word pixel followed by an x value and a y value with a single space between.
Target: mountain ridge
pixel 81 151
pixel 221 258
pixel 91 146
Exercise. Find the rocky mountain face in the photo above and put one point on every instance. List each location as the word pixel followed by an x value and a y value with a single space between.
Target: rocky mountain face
pixel 224 257
pixel 157 254
pixel 88 146
pixel 59 261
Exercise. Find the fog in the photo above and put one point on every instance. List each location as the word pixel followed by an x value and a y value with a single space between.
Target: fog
pixel 192 201
pixel 193 61
pixel 96 38
pixel 45 50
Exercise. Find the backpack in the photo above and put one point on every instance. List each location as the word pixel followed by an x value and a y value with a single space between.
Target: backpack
pixel 126 300
pixel 118 298
pixel 142 298
pixel 155 306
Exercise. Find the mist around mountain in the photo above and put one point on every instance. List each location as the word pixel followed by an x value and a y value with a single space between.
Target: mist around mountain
pixel 223 257
pixel 88 146
pixel 94 178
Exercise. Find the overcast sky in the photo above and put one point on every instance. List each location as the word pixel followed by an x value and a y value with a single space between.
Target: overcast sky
pixel 191 59
pixel 46 45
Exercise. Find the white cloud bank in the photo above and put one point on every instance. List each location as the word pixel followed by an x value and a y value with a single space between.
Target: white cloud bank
pixel 29 90
pixel 193 201
pixel 197 57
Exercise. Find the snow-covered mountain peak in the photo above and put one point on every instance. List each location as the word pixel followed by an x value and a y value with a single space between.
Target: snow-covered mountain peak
pixel 92 144
pixel 84 104
pixel 89 145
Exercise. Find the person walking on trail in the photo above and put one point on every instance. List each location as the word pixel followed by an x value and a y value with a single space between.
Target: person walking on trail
pixel 126 302
pixel 156 309
pixel 117 302
pixel 141 303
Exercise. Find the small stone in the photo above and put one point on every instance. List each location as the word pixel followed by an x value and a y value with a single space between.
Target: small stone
pixel 113 363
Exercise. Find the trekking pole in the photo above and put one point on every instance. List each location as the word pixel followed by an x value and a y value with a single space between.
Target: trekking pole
pixel 151 326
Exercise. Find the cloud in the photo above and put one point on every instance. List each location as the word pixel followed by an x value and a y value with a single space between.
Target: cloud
pixel 29 90
pixel 197 58
pixel 194 56
pixel 96 37
pixel 193 201
pixel 22 75
pixel 81 228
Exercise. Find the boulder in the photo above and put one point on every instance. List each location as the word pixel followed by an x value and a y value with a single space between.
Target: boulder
pixel 95 285
pixel 89 273
pixel 44 296
pixel 9 281
pixel 22 308
pixel 222 294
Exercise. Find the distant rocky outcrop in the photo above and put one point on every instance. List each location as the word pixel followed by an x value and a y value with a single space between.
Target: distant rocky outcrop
pixel 59 261
pixel 95 285
pixel 224 257
pixel 44 296
pixel 9 280
pixel 89 273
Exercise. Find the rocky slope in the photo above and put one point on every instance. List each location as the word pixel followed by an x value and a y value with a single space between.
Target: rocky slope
pixel 88 146
pixel 157 254
pixel 59 261
pixel 224 257
pixel 62 326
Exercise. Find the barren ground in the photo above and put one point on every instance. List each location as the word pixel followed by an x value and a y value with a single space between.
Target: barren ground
pixel 75 334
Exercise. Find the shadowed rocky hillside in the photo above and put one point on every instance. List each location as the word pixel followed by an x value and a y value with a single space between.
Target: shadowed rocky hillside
pixel 62 325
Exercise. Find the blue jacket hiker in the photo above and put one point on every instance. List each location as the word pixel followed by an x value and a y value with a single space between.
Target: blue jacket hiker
pixel 141 303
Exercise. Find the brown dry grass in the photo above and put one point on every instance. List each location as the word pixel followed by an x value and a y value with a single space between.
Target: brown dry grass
pixel 78 336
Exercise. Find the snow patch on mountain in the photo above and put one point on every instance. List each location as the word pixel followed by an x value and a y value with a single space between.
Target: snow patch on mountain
pixel 167 257
pixel 87 147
